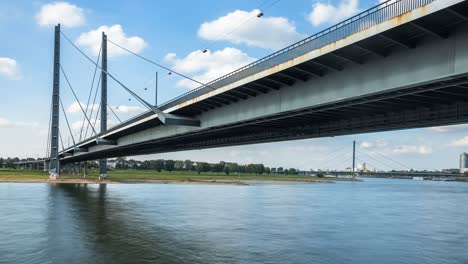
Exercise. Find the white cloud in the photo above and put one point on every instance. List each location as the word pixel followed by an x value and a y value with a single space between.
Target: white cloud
pixel 460 142
pixel 366 144
pixel 264 32
pixel 75 107
pixel 374 144
pixel 205 67
pixel 123 109
pixel 448 129
pixel 9 69
pixel 66 14
pixel 92 41
pixel 415 149
pixel 8 123
pixel 326 13
pixel 127 109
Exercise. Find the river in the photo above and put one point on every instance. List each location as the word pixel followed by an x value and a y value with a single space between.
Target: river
pixel 375 221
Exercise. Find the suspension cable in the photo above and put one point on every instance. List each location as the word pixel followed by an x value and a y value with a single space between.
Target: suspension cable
pixel 97 114
pixel 74 94
pixel 91 90
pixel 61 140
pixel 377 168
pixel 66 119
pixel 48 133
pixel 146 104
pixel 114 113
pixel 92 105
pixel 95 119
pixel 383 163
pixel 223 37
pixel 161 66
pixel 388 158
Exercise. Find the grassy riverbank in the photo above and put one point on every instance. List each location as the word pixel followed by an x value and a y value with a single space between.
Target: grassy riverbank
pixel 135 176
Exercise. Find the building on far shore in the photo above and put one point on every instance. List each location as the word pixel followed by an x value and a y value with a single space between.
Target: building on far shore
pixel 463 162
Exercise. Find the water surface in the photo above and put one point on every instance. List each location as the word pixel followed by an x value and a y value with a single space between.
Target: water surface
pixel 376 221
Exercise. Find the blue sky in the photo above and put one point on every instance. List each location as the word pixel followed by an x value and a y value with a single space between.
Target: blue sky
pixel 174 33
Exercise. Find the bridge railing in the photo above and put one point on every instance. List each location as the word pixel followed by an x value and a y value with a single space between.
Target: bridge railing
pixel 359 22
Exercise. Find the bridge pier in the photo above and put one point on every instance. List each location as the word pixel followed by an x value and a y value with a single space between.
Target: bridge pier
pixel 85 169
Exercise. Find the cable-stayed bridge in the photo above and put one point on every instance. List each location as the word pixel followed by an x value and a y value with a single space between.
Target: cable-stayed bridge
pixel 401 64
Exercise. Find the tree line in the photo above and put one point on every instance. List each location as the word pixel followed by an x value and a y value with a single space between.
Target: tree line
pixel 173 165
pixel 199 167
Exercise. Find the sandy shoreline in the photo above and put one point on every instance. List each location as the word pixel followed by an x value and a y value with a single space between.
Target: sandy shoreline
pixel 154 181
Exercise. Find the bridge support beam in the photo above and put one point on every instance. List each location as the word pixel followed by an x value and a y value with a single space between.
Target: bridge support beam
pixel 54 168
pixel 103 162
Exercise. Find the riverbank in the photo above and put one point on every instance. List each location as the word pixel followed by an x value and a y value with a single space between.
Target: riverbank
pixel 136 176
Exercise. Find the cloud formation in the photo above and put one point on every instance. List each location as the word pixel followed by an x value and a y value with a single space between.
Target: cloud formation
pixel 68 15
pixel 448 129
pixel 326 13
pixel 264 32
pixel 412 149
pixel 4 122
pixel 91 40
pixel 205 67
pixel 122 109
pixel 385 148
pixel 9 69
pixel 460 142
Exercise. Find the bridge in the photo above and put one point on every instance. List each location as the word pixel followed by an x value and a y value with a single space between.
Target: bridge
pixel 401 64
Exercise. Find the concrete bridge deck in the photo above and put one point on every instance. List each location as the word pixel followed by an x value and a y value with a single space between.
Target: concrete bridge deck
pixel 397 66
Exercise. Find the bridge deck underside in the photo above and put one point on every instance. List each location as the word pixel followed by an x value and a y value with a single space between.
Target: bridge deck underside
pixel 441 102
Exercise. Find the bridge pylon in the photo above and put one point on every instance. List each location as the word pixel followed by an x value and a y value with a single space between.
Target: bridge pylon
pixel 54 165
pixel 103 162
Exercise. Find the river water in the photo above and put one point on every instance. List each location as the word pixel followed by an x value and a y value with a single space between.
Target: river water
pixel 375 221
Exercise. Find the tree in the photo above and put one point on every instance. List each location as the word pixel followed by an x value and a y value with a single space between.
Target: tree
pixel 218 167
pixel 233 167
pixel 292 171
pixel 121 163
pixel 267 170
pixel 1 162
pixel 259 168
pixel 251 168
pixel 188 165
pixel 202 167
pixel 227 170
pixel 179 165
pixel 158 165
pixel 169 165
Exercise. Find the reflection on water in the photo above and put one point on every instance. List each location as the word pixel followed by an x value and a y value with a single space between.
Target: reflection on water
pixel 377 221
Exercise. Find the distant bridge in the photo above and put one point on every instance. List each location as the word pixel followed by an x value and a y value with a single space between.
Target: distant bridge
pixel 390 174
pixel 402 64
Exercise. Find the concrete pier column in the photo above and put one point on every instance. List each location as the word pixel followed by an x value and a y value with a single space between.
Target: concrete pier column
pixel 85 169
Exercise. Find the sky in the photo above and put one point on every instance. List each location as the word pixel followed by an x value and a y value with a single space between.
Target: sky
pixel 174 34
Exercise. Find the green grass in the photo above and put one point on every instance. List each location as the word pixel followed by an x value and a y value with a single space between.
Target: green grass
pixel 129 175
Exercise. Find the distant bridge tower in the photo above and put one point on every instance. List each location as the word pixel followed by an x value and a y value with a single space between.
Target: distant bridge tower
pixel 54 165
pixel 103 162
